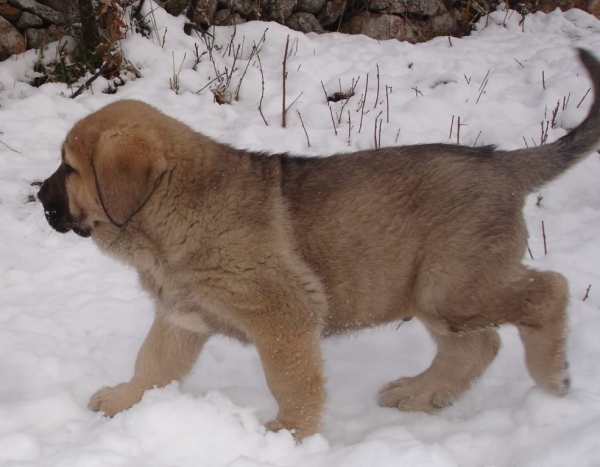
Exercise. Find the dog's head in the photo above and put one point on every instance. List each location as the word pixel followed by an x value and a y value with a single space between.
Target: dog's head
pixel 112 162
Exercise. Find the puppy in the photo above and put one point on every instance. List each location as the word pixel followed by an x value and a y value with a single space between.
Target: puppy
pixel 279 251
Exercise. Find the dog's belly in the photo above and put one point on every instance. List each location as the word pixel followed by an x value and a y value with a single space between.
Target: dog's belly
pixel 374 287
pixel 361 295
pixel 357 309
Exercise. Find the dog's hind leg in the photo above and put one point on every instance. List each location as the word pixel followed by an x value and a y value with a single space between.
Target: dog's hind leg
pixel 539 302
pixel 461 357
pixel 535 302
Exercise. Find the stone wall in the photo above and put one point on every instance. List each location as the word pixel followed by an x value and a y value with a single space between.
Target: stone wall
pixel 410 20
pixel 26 24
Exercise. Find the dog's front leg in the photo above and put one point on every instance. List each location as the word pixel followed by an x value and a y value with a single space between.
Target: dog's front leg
pixel 294 372
pixel 167 354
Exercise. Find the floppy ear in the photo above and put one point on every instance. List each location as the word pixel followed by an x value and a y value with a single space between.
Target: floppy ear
pixel 128 166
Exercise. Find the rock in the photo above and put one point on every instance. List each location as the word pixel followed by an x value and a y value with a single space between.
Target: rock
pixel 304 22
pixel 28 20
pixel 446 24
pixel 38 38
pixel 380 26
pixel 68 8
pixel 594 8
pixel 49 15
pixel 11 40
pixel 8 12
pixel 243 7
pixel 385 26
pixel 310 6
pixel 227 18
pixel 174 7
pixel 278 10
pixel 548 6
pixel 331 12
pixel 377 5
pixel 205 12
pixel 416 7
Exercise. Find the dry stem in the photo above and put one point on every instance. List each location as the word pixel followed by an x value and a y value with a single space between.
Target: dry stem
pixel 284 77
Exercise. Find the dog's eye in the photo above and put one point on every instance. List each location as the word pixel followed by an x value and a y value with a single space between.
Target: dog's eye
pixel 69 170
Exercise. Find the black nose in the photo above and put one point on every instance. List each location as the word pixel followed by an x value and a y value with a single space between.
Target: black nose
pixel 43 192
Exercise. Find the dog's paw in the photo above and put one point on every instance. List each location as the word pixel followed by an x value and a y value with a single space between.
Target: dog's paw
pixel 548 366
pixel 115 399
pixel 557 382
pixel 299 432
pixel 411 395
pixel 274 425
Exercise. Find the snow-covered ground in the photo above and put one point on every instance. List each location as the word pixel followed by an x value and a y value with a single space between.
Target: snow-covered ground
pixel 72 320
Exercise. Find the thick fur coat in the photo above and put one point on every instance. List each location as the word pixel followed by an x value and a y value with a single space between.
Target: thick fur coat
pixel 280 251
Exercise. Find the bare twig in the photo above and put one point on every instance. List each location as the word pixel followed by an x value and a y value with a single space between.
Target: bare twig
pixel 295 100
pixel 229 75
pixel 88 83
pixel 330 110
pixel 262 88
pixel 344 96
pixel 544 135
pixel 397 136
pixel 522 66
pixel 402 322
pixel 349 127
pixel 587 293
pixel 544 238
pixel 482 87
pixel 387 104
pixel 458 125
pixel 206 38
pixel 13 150
pixel 377 142
pixel 554 115
pixel 377 95
pixel 284 77
pixel 174 82
pixel 255 49
pixel 538 202
pixel 197 56
pixel 362 107
pixel 477 139
pixel 209 83
pixel 304 128
pixel 529 250
pixel 543 80
pixel 485 78
pixel 451 127
pixel 584 96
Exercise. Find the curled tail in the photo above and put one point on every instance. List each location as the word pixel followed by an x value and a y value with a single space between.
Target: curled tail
pixel 534 167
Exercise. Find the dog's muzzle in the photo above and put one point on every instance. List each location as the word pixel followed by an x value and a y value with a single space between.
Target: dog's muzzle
pixel 54 198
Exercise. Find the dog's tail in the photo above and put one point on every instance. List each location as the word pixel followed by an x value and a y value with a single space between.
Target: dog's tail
pixel 534 167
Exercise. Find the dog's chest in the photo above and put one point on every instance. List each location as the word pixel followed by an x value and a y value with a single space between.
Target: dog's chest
pixel 185 304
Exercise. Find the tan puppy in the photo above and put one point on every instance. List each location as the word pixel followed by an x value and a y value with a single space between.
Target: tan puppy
pixel 279 251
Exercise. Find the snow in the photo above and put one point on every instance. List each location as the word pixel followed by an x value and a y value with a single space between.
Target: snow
pixel 72 320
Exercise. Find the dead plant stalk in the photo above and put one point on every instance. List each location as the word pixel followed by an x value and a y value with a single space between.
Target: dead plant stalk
pixel 284 77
